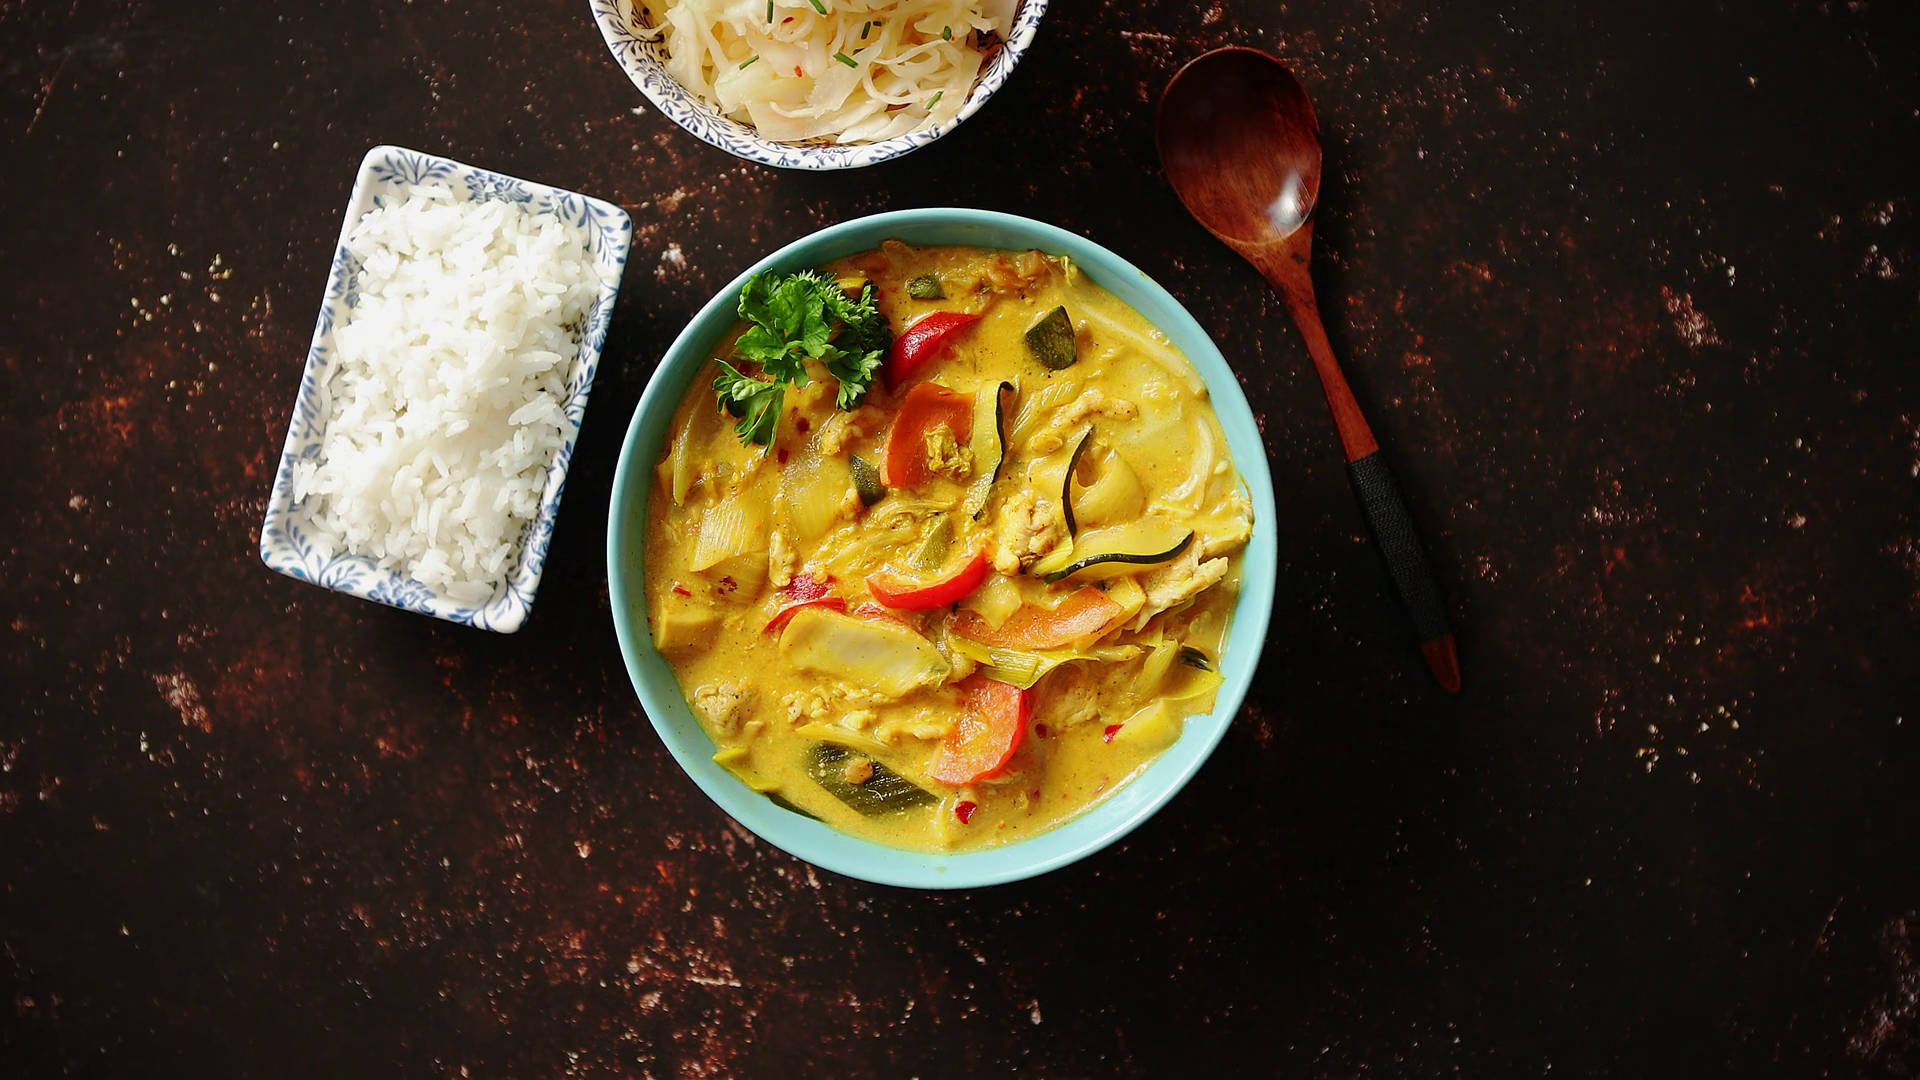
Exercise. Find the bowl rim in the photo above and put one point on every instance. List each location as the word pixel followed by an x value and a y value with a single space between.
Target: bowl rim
pixel 674 101
pixel 283 548
pixel 1123 809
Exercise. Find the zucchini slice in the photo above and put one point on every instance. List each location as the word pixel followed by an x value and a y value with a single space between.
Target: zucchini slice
pixel 1066 483
pixel 789 805
pixel 1119 549
pixel 885 792
pixel 1051 340
pixel 988 444
pixel 866 480
pixel 931 555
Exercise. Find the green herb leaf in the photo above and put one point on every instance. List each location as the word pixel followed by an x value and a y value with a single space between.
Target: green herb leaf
pixel 755 402
pixel 818 6
pixel 845 59
pixel 769 10
pixel 946 32
pixel 855 372
pixel 934 100
pixel 794 318
pixel 748 62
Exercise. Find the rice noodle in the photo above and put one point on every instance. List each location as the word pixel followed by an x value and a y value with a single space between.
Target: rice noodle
pixel 914 61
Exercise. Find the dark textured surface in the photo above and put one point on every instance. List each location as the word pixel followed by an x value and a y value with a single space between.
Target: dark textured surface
pixel 1628 288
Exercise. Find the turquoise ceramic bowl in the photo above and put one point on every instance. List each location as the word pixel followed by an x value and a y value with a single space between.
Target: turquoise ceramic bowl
pixel 1107 821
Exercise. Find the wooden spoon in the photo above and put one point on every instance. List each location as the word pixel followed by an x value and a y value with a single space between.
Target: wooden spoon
pixel 1241 147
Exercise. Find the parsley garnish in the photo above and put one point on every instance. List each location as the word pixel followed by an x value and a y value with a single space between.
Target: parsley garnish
pixel 795 318
pixel 755 402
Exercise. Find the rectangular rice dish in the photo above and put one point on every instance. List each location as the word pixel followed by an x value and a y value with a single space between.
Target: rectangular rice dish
pixel 457 341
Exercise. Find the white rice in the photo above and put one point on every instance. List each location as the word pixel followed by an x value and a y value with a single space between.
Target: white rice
pixel 446 400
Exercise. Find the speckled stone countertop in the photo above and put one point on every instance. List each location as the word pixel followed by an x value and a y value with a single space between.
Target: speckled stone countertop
pixel 1629 289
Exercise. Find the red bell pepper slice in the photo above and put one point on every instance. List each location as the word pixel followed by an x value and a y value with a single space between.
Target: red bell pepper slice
pixel 896 590
pixel 1081 615
pixel 785 615
pixel 871 610
pixel 807 587
pixel 993 723
pixel 925 407
pixel 922 342
pixel 803 591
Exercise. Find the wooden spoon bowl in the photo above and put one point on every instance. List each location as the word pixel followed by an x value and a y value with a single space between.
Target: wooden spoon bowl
pixel 1241 147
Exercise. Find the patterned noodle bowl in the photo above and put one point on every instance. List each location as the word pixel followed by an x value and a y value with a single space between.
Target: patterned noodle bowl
pixel 644 62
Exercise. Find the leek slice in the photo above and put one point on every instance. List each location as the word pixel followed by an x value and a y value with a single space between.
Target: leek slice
pixel 880 654
pixel 734 527
pixel 813 492
pixel 1023 668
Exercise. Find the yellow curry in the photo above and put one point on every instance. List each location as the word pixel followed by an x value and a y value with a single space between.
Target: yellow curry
pixel 953 554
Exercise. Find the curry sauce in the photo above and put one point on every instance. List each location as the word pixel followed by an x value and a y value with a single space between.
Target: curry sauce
pixel 976 603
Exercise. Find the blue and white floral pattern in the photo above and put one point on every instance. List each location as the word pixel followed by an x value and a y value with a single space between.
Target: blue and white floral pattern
pixel 285 543
pixel 483 186
pixel 643 59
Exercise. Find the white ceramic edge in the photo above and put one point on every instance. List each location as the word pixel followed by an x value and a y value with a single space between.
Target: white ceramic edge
pixel 639 58
pixel 1115 816
pixel 281 544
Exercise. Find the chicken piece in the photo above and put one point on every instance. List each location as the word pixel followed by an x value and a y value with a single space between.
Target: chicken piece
pixel 805 705
pixel 1093 402
pixel 782 560
pixel 963 667
pixel 1044 443
pixel 850 505
pixel 725 705
pixel 1174 584
pixel 1073 697
pixel 945 456
pixel 845 429
pixel 928 729
pixel 1027 532
pixel 1006 276
pixel 874 263
pixel 1227 531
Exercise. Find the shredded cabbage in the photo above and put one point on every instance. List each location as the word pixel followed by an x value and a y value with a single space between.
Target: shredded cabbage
pixel 913 62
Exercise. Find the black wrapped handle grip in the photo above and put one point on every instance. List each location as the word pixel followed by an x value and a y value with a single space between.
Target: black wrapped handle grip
pixel 1392 527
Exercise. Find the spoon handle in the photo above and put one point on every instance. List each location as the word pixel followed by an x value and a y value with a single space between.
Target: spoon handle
pixel 1373 484
pixel 1413 580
